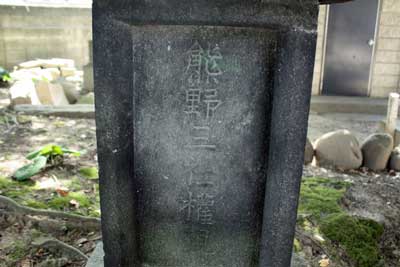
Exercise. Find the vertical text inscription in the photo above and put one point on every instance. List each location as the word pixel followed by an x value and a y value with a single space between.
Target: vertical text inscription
pixel 201 79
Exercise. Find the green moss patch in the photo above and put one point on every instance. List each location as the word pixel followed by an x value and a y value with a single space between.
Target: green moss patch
pixel 89 172
pixel 359 237
pixel 320 202
pixel 79 196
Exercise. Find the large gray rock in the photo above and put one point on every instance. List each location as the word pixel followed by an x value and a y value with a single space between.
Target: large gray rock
pixel 338 149
pixel 309 152
pixel 395 159
pixel 376 151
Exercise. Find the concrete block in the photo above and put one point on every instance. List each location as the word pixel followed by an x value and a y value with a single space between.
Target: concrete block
pixel 88 83
pixel 386 69
pixel 391 6
pixel 50 94
pixel 385 81
pixel 389 44
pixel 68 71
pixel 387 57
pixel 389 32
pixel 23 92
pixel 390 19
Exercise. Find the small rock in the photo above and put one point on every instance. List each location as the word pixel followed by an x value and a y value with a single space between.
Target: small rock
pixel 338 149
pixel 395 159
pixel 309 152
pixel 70 89
pixel 376 151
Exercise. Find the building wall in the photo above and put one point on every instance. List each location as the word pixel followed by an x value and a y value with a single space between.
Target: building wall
pixel 320 50
pixel 27 33
pixel 385 74
pixel 386 69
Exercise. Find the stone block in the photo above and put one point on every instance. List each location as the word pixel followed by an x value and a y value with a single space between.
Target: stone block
pixel 50 93
pixel 68 71
pixel 88 84
pixel 23 92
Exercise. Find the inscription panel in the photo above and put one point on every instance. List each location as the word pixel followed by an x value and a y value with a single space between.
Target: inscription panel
pixel 201 124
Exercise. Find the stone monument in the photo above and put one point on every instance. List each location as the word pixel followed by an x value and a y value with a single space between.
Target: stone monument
pixel 201 112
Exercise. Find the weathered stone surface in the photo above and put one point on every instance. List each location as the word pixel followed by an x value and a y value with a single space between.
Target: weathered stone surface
pixel 88 77
pixel 206 164
pixel 338 149
pixel 23 92
pixel 395 159
pixel 67 71
pixel 96 259
pixel 309 152
pixel 299 261
pixel 50 94
pixel 70 90
pixel 69 111
pixel 376 151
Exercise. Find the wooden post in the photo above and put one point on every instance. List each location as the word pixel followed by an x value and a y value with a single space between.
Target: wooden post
pixel 392 111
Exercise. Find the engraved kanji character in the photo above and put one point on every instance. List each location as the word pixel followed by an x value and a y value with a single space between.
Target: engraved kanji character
pixel 212 67
pixel 196 54
pixel 193 97
pixel 201 136
pixel 211 102
pixel 205 203
pixel 188 202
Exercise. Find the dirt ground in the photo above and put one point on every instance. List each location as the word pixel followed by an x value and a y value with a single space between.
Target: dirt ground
pixel 371 195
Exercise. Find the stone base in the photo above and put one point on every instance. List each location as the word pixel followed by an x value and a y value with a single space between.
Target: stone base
pixel 96 259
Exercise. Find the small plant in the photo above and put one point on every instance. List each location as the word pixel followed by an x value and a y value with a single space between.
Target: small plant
pixel 49 155
pixel 4 76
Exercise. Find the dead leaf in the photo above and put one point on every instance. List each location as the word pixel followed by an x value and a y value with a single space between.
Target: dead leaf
pixel 62 192
pixel 324 263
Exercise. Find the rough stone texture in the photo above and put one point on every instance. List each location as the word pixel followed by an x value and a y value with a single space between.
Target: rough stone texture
pixel 338 149
pixel 395 159
pixel 70 90
pixel 376 151
pixel 50 93
pixel 309 152
pixel 188 175
pixel 23 92
pixel 96 259
pixel 69 111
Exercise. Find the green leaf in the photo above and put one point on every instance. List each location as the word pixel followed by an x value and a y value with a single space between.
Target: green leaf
pixel 30 169
pixel 57 150
pixel 46 150
pixel 33 154
pixel 72 152
pixel 89 172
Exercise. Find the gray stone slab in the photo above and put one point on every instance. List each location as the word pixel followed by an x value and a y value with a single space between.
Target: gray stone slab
pixel 96 259
pixel 201 114
pixel 69 111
